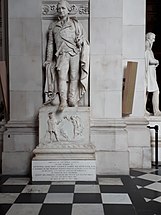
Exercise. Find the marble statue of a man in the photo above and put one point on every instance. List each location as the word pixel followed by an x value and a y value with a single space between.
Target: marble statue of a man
pixel 67 62
pixel 151 79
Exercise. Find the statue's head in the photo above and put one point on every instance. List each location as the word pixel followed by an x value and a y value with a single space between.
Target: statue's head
pixel 150 36
pixel 63 8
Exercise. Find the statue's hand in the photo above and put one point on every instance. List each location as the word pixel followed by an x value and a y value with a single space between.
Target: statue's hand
pixel 46 63
pixel 157 63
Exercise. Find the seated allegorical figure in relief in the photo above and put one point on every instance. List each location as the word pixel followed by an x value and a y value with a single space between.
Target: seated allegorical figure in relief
pixel 67 62
pixel 151 79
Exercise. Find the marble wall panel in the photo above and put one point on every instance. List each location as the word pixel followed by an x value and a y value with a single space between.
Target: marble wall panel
pixel 113 102
pixel 133 42
pixel 107 140
pixel 106 72
pixel 106 36
pixel 23 8
pixel 25 36
pixel 104 8
pixel 135 140
pixel 24 105
pixel 13 141
pixel 136 159
pixel 147 157
pixel 25 73
pixel 20 167
pixel 97 104
pixel 134 12
pixel 138 104
pixel 116 163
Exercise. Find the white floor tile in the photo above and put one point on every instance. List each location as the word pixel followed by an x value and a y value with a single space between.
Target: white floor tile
pixel 36 189
pixel 110 181
pixel 87 209
pixel 24 209
pixel 155 186
pixel 63 183
pixel 150 177
pixel 8 198
pixel 158 199
pixel 79 188
pixel 59 198
pixel 115 198
pixel 17 181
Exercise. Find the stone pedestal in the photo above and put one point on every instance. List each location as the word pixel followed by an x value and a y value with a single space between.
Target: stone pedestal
pixel 138 142
pixel 64 152
pixel 110 139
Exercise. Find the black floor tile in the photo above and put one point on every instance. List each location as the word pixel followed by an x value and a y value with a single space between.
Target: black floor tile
pixel 86 182
pixel 147 212
pixel 119 209
pixel 141 182
pixel 4 208
pixel 134 193
pixel 87 198
pixel 11 188
pixel 30 198
pixel 3 178
pixel 56 209
pixel 150 194
pixel 39 182
pixel 112 189
pixel 136 173
pixel 61 189
pixel 155 207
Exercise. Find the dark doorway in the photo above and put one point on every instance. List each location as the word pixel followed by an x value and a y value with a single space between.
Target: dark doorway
pixel 153 15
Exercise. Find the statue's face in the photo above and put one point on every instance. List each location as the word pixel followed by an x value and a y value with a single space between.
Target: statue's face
pixel 62 10
pixel 152 38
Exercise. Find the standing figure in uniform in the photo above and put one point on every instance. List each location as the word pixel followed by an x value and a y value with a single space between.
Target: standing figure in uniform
pixel 67 62
pixel 52 127
pixel 151 78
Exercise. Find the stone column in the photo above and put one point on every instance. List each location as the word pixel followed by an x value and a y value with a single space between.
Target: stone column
pixel 25 84
pixel 134 13
pixel 107 126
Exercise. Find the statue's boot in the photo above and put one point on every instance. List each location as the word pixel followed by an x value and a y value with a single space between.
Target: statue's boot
pixel 73 88
pixel 155 102
pixel 63 95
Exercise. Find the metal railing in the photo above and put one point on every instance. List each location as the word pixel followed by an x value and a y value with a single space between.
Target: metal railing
pixel 156 128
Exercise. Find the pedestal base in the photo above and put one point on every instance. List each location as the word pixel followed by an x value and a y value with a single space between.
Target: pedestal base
pixel 64 162
pixel 63 170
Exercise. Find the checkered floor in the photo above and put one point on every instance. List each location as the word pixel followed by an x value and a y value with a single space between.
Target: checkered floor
pixel 137 194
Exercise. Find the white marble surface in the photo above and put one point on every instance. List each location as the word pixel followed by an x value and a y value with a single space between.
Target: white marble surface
pixel 63 170
pixel 150 177
pixel 87 209
pixel 80 188
pixel 12 158
pixel 110 181
pixel 115 198
pixel 110 8
pixel 155 186
pixel 133 37
pixel 36 189
pixel 16 181
pixel 27 109
pixel 116 163
pixel 133 12
pixel 67 130
pixel 23 8
pixel 59 198
pixel 24 209
pixel 109 27
pixel 8 198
